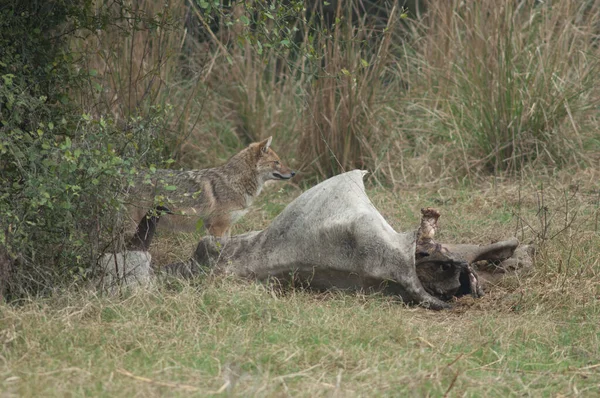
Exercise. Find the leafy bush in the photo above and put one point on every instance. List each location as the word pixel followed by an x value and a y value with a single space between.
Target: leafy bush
pixel 61 172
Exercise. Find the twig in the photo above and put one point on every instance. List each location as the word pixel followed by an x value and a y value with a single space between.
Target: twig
pixel 451 384
pixel 421 339
pixel 542 372
pixel 52 372
pixel 590 367
pixel 184 387
pixel 302 373
pixel 457 358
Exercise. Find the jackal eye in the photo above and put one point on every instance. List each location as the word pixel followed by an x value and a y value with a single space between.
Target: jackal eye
pixel 276 163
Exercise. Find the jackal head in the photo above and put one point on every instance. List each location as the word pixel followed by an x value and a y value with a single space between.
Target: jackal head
pixel 268 164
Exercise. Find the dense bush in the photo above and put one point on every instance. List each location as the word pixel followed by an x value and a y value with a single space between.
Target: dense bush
pixel 61 170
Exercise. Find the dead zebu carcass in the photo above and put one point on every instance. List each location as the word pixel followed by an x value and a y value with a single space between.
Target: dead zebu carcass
pixel 332 236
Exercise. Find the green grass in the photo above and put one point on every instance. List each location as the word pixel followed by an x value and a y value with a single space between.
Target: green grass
pixel 535 334
pixel 301 343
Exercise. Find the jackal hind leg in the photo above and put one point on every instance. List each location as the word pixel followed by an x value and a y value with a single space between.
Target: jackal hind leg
pixel 219 226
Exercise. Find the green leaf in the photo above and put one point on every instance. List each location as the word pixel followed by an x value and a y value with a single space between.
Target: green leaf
pixel 170 188
pixel 244 20
pixel 8 79
pixel 199 225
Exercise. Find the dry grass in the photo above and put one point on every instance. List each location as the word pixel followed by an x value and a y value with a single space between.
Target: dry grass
pixel 530 335
pixel 342 127
pixel 468 87
pixel 512 82
pixel 223 336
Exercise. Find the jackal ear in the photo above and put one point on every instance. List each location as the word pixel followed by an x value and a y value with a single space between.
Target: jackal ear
pixel 265 144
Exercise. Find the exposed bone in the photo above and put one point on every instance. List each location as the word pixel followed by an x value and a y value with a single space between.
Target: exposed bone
pixel 429 224
pixel 430 255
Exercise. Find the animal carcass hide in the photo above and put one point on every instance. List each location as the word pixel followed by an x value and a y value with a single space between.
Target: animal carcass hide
pixel 332 236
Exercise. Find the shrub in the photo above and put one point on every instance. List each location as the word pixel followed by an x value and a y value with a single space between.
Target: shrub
pixel 61 172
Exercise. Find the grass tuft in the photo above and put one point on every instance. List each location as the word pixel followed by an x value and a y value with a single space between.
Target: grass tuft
pixel 513 83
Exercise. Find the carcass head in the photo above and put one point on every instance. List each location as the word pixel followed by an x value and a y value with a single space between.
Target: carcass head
pixel 445 275
pixel 440 275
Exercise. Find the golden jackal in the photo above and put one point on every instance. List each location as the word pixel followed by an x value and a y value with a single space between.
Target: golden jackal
pixel 219 196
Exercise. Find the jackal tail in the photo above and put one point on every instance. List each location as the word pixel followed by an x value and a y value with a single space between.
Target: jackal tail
pixel 144 233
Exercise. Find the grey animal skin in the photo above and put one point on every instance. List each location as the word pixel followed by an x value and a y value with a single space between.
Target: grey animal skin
pixel 331 236
pixel 132 266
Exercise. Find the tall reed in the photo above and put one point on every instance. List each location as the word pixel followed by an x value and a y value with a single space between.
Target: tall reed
pixel 512 83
